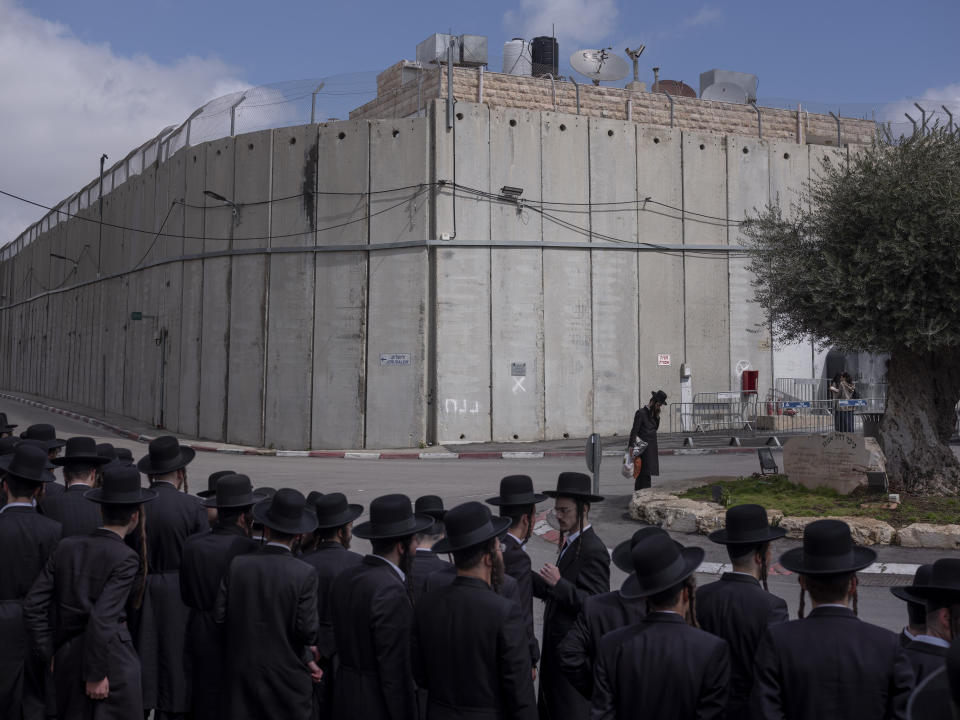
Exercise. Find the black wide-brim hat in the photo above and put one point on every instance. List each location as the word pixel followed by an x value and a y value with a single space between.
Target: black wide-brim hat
pixel 516 490
pixel 920 577
pixel 659 395
pixel 165 455
pixel 120 485
pixel 827 549
pixel 45 433
pixel 285 512
pixel 658 565
pixel 233 490
pixel 944 582
pixel 334 511
pixel 81 450
pixel 8 445
pixel 469 525
pixel 27 462
pixel 621 553
pixel 431 505
pixel 392 516
pixel 576 485
pixel 212 483
pixel 746 525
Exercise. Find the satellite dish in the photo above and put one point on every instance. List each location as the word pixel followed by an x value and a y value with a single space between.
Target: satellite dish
pixel 599 65
pixel 725 92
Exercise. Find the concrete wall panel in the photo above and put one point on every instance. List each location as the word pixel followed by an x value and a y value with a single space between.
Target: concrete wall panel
pixel 515 160
pixel 565 180
pixel 660 178
pixel 399 158
pixel 343 174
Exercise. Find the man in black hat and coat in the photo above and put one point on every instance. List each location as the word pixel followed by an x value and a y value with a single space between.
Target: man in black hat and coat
pixel 830 664
pixel 88 581
pixel 469 644
pixel 582 569
pixel 518 501
pixel 332 556
pixel 268 607
pixel 28 539
pixel 600 615
pixel 6 429
pixel 161 624
pixel 916 608
pixel 81 464
pixel 646 422
pixel 937 696
pixel 738 607
pixel 663 666
pixel 210 492
pixel 206 557
pixel 44 435
pixel 941 596
pixel 372 617
pixel 425 559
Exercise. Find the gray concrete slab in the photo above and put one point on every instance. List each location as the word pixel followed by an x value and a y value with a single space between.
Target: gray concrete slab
pixel 515 161
pixel 399 158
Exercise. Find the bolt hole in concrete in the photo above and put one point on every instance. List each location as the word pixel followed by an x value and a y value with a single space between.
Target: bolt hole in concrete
pixel 218 152
pixel 746 150
pixel 513 123
pixel 566 435
pixel 250 146
pixel 342 135
pixel 656 141
pixel 516 437
pixel 293 141
pixel 395 132
pixel 609 133
pixel 459 116
pixel 786 156
pixel 462 436
pixel 562 128
pixel 702 146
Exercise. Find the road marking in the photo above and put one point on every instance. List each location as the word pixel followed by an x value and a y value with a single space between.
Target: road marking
pixel 522 455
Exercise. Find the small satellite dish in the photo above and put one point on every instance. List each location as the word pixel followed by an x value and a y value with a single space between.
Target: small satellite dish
pixel 725 92
pixel 599 65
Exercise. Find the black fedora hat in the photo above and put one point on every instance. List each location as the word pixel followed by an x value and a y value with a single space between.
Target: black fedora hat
pixel 920 577
pixel 659 564
pixel 124 455
pixel 333 510
pixel 944 582
pixel 576 485
pixel 107 450
pixel 233 490
pixel 746 525
pixel 827 549
pixel 45 433
pixel 81 451
pixel 621 553
pixel 391 516
pixel 212 483
pixel 659 395
pixel 165 455
pixel 7 445
pixel 120 486
pixel 42 444
pixel 516 490
pixel 267 492
pixel 286 512
pixel 431 505
pixel 4 425
pixel 27 462
pixel 468 525
pixel 312 497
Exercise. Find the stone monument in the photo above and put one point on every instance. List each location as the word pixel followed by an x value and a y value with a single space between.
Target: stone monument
pixel 838 460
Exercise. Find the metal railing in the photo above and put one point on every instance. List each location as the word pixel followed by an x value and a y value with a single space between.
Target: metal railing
pixel 787 389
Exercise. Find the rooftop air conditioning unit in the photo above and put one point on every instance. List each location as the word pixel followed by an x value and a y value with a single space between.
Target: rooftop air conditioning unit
pixel 436 46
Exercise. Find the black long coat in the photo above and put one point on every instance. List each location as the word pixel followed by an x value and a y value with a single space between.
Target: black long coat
pixel 645 426
pixel 73 511
pixel 159 628
pixel 925 658
pixel 268 607
pixel 517 565
pixel 27 539
pixel 372 618
pixel 206 557
pixel 328 560
pixel 661 668
pixel 470 653
pixel 737 609
pixel 830 665
pixel 585 570
pixel 425 563
pixel 88 580
pixel 600 615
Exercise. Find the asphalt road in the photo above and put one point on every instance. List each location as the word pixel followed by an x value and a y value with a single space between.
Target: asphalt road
pixel 460 480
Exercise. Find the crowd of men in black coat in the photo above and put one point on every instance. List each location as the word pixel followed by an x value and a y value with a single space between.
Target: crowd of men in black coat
pixel 118 600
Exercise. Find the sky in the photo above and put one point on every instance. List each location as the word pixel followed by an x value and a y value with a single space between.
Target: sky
pixel 78 79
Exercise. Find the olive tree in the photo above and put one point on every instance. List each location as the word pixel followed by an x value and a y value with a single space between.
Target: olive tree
pixel 869 260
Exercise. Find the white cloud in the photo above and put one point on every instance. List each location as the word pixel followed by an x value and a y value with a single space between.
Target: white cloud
pixel 578 22
pixel 707 15
pixel 932 100
pixel 65 102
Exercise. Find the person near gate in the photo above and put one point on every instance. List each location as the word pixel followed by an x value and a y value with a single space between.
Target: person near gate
pixel 646 422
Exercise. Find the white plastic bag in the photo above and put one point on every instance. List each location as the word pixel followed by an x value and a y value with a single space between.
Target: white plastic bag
pixel 626 469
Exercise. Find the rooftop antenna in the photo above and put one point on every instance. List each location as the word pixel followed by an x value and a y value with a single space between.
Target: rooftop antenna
pixel 599 65
pixel 635 56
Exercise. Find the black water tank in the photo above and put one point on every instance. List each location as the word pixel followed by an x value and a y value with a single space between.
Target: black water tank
pixel 546 56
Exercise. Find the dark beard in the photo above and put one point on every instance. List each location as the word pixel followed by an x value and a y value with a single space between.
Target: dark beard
pixel 497 573
pixel 406 558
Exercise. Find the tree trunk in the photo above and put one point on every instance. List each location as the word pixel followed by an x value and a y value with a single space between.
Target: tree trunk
pixel 921 416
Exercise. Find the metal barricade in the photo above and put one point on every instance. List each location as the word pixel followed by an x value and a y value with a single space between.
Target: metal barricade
pixel 721 413
pixel 809 417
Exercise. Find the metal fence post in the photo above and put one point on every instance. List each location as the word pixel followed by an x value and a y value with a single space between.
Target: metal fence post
pixel 313 103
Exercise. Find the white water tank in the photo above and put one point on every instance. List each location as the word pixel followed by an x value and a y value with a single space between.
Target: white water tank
pixel 517 57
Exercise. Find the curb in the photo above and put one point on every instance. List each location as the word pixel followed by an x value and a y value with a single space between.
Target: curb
pixel 364 455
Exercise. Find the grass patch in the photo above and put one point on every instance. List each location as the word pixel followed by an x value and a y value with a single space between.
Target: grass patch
pixel 775 491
